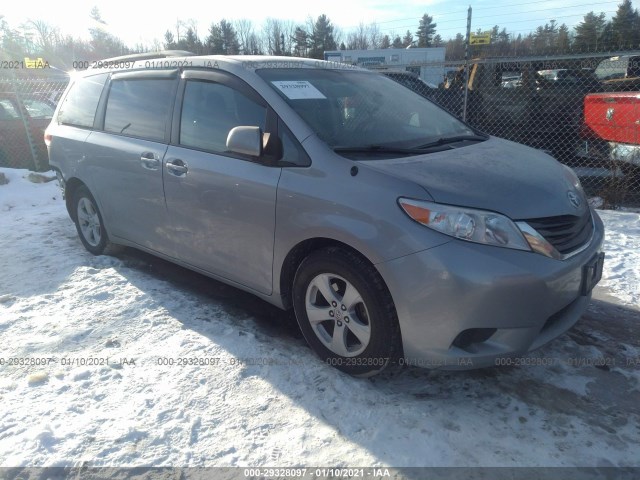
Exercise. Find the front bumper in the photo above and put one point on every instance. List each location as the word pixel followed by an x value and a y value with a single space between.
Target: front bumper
pixel 508 302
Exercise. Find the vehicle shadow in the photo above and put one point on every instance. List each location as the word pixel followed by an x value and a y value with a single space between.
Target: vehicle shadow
pixel 586 377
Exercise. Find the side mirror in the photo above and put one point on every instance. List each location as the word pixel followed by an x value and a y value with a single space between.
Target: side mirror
pixel 245 140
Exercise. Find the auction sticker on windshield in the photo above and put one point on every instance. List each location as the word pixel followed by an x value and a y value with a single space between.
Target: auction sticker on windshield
pixel 298 90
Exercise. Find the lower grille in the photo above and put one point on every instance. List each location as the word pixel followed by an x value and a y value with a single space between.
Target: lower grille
pixel 565 232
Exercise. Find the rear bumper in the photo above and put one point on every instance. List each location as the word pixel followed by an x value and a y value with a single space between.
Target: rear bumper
pixel 507 302
pixel 598 149
pixel 623 152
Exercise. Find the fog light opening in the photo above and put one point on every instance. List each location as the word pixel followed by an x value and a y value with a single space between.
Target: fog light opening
pixel 467 339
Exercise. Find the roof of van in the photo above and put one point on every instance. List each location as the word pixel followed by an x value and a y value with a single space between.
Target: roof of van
pixel 250 62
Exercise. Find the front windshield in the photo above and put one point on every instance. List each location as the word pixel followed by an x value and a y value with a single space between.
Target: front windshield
pixel 351 109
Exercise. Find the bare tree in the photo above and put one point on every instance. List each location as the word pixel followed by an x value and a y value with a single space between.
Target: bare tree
pixel 45 34
pixel 244 30
pixel 359 38
pixel 192 24
pixel 271 31
pixel 254 45
pixel 278 36
pixel 178 27
pixel 375 37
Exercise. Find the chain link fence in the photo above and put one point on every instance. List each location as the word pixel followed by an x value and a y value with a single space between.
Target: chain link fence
pixel 27 103
pixel 584 111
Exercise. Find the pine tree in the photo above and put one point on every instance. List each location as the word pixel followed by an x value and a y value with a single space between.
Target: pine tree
pixel 322 38
pixel 624 26
pixel 214 44
pixel 222 39
pixel 169 41
pixel 589 32
pixel 397 42
pixel 229 38
pixel 190 42
pixel 407 39
pixel 563 41
pixel 300 42
pixel 426 31
pixel 386 42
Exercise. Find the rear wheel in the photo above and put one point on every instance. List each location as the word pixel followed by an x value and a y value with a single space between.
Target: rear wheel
pixel 90 225
pixel 346 312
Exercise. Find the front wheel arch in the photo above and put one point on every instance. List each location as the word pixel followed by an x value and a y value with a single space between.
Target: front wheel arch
pixel 324 321
pixel 298 253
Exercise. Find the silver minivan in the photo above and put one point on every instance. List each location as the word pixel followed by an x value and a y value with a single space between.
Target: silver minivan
pixel 397 233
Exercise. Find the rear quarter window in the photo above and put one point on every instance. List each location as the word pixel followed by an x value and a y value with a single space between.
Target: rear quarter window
pixel 79 106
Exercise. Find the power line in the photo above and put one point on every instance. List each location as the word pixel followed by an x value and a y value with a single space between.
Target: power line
pixel 531 20
pixel 462 20
pixel 481 9
pixel 535 11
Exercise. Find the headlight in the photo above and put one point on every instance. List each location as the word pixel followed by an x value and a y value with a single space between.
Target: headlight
pixel 466 224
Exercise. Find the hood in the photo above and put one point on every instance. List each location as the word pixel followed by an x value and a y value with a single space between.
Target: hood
pixel 496 175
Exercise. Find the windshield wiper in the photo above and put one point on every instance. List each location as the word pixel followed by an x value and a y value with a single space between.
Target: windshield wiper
pixel 452 139
pixel 375 149
pixel 419 149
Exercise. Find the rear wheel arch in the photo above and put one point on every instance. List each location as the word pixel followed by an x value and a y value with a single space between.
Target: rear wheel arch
pixel 71 186
pixel 90 223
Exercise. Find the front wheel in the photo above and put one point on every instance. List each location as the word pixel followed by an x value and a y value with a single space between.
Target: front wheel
pixel 345 312
pixel 90 224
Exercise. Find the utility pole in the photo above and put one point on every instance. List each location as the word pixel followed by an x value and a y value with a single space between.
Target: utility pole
pixel 466 64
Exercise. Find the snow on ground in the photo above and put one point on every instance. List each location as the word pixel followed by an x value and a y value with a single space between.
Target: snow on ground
pixel 622 265
pixel 109 398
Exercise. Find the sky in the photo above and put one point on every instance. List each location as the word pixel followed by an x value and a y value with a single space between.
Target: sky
pixel 143 21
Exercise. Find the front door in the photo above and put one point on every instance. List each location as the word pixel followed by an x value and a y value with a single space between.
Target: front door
pixel 221 205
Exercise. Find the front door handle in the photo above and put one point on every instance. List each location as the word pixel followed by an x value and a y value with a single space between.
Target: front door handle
pixel 177 167
pixel 149 161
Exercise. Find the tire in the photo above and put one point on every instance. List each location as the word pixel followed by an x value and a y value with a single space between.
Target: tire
pixel 89 223
pixel 337 289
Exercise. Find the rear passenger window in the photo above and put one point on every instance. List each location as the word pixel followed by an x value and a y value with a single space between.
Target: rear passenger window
pixel 210 110
pixel 139 108
pixel 79 106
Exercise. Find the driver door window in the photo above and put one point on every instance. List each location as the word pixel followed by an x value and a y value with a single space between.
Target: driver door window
pixel 210 110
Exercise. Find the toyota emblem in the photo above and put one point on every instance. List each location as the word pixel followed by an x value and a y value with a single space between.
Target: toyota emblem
pixel 574 199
